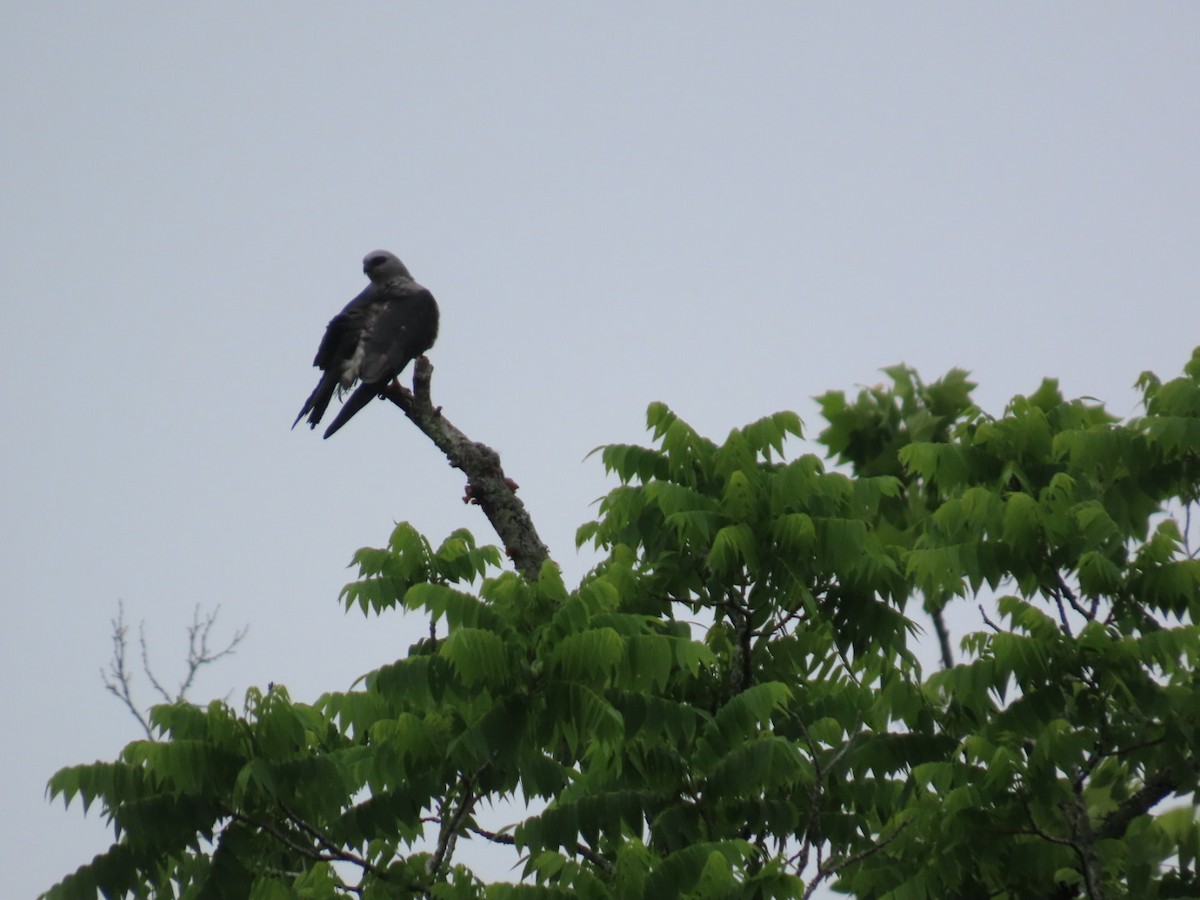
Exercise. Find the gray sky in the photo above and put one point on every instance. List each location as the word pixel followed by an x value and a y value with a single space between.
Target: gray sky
pixel 729 208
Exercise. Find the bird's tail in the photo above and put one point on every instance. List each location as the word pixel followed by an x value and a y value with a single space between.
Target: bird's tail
pixel 362 395
pixel 314 407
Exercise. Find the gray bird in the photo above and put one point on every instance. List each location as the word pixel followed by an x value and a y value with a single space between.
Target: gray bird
pixel 392 322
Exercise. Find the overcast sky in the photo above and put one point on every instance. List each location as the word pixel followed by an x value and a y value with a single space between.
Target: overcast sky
pixel 726 207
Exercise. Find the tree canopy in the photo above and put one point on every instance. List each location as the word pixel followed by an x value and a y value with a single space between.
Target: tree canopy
pixel 729 704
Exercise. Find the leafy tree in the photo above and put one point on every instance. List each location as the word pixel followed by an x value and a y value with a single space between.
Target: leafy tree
pixel 729 705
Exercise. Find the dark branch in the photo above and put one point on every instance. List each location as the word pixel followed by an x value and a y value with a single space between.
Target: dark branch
pixel 1062 612
pixel 836 864
pixel 450 828
pixel 330 853
pixel 943 636
pixel 1161 783
pixel 987 621
pixel 509 841
pixel 739 616
pixel 487 485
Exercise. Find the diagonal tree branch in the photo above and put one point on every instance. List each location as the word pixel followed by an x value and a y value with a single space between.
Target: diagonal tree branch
pixel 943 636
pixel 1159 785
pixel 487 484
pixel 836 863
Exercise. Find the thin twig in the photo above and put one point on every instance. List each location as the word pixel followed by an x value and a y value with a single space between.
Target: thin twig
pixel 493 836
pixel 836 864
pixel 198 652
pixel 1084 851
pixel 509 841
pixel 448 836
pixel 1071 598
pixel 117 681
pixel 987 621
pixel 330 854
pixel 800 858
pixel 1062 612
pixel 167 698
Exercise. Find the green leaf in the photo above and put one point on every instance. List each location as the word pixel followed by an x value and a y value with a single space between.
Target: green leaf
pixel 733 547
pixel 588 656
pixel 478 656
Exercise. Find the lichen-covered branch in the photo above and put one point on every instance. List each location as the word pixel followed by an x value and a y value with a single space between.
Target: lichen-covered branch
pixel 487 485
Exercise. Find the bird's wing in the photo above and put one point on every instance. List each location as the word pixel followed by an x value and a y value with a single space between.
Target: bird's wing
pixel 344 330
pixel 338 344
pixel 371 340
pixel 400 330
pixel 314 407
pixel 363 394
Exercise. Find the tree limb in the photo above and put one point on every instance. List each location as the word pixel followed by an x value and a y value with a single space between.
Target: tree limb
pixel 487 485
pixel 330 852
pixel 1085 843
pixel 943 636
pixel 450 828
pixel 1159 785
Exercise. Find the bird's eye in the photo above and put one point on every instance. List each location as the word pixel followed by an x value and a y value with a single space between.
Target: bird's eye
pixel 376 261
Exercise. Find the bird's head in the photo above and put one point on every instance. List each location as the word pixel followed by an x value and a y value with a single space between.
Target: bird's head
pixel 381 266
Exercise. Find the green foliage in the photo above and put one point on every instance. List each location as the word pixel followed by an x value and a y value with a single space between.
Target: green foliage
pixel 729 704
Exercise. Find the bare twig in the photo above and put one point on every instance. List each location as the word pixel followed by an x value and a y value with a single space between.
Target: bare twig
pixel 987 621
pixel 487 484
pixel 835 864
pixel 198 652
pixel 1066 592
pixel 118 680
pixel 154 683
pixel 1062 612
pixel 850 673
pixel 509 841
pixel 494 836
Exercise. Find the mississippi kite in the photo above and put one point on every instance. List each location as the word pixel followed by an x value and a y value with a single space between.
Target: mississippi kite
pixel 392 322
